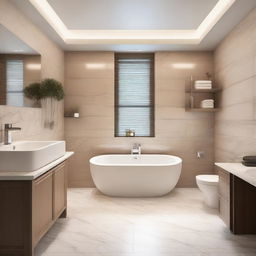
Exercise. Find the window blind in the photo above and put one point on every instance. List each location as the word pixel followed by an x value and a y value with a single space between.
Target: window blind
pixel 14 83
pixel 134 94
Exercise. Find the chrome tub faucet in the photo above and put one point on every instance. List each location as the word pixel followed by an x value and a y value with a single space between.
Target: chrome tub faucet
pixel 136 149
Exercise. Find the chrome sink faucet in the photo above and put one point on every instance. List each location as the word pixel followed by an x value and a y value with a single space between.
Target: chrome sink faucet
pixel 7 133
pixel 136 149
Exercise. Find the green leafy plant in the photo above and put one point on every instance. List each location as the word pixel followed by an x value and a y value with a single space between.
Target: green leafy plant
pixel 51 88
pixel 33 91
pixel 48 88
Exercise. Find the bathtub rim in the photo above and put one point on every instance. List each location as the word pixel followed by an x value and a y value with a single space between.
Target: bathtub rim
pixel 177 161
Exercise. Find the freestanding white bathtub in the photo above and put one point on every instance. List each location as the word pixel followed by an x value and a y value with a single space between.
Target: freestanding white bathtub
pixel 142 175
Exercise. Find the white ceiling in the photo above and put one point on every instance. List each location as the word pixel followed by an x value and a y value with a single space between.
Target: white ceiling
pixel 138 14
pixel 11 44
pixel 132 14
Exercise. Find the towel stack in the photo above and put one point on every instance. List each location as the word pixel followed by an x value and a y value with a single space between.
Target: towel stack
pixel 203 84
pixel 209 103
pixel 249 161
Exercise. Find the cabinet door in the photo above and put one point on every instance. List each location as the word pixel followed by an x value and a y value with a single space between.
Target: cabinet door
pixel 224 192
pixel 59 190
pixel 42 205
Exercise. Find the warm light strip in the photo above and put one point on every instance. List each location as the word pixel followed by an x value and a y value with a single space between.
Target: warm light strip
pixel 183 65
pixel 51 16
pixel 213 17
pixel 132 36
pixel 33 66
pixel 95 65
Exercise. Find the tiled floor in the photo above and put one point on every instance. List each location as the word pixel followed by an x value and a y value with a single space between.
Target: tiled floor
pixel 175 225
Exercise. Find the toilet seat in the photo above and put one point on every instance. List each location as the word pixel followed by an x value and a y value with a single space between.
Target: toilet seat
pixel 211 179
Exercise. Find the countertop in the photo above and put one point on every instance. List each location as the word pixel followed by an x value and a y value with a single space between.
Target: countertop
pixel 245 173
pixel 35 174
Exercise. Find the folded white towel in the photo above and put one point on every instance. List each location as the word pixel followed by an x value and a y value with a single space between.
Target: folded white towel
pixel 203 86
pixel 207 106
pixel 208 100
pixel 207 103
pixel 203 82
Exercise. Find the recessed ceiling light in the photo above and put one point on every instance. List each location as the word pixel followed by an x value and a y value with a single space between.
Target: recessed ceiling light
pixel 132 36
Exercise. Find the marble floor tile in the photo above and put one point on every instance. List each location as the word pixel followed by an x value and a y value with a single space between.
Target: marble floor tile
pixel 174 225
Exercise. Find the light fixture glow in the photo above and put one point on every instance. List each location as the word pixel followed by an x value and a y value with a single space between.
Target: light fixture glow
pixel 183 65
pixel 132 36
pixel 33 66
pixel 95 65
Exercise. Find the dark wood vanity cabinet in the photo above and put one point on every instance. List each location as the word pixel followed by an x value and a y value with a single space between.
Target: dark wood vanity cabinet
pixel 29 208
pixel 237 203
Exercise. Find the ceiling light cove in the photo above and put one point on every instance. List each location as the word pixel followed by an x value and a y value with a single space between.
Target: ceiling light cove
pixel 70 36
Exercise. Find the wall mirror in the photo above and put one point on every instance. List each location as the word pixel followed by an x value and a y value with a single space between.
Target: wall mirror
pixel 20 66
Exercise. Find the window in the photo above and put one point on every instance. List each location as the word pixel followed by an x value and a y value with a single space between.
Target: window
pixel 134 94
pixel 14 83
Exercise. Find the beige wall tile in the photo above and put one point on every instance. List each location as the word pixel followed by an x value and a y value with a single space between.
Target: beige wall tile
pixel 95 65
pixel 238 93
pixel 235 69
pixel 241 111
pixel 237 72
pixel 165 62
pixel 176 132
pixel 89 86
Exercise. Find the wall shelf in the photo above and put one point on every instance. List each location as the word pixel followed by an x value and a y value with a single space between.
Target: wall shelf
pixel 193 97
pixel 214 90
pixel 72 114
pixel 203 109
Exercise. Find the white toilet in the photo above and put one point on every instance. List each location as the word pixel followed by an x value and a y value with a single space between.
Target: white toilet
pixel 208 184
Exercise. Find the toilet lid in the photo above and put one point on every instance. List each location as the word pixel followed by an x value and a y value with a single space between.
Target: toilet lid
pixel 208 179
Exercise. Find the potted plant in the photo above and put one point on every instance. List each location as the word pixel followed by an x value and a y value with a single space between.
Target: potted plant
pixel 32 92
pixel 49 92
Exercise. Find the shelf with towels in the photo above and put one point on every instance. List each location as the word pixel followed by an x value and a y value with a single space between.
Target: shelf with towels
pixel 198 92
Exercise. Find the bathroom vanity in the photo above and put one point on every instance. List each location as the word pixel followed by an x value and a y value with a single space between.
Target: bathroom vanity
pixel 30 203
pixel 237 191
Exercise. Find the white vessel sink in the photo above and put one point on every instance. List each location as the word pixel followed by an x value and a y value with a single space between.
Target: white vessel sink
pixel 28 156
